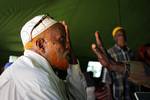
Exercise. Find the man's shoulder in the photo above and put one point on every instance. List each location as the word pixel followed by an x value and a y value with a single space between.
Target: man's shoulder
pixel 112 49
pixel 24 70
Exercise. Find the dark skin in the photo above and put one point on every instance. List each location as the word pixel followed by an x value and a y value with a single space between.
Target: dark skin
pixel 72 58
pixel 98 49
pixel 60 47
pixel 53 45
pixel 120 39
pixel 107 62
pixel 49 46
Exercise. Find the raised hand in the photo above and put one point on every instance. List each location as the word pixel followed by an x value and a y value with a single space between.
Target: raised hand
pixel 72 57
pixel 104 59
pixel 68 42
pixel 98 49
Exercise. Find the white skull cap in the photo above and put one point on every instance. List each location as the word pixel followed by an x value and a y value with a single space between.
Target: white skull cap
pixel 35 26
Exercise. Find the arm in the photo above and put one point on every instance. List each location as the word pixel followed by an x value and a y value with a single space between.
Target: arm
pixel 75 81
pixel 104 58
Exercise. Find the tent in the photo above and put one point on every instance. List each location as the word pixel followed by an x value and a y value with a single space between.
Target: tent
pixel 84 17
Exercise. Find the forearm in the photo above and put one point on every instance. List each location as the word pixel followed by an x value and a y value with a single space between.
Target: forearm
pixel 119 67
pixel 76 82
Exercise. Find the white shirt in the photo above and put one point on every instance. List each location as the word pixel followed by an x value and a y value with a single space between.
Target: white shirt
pixel 32 78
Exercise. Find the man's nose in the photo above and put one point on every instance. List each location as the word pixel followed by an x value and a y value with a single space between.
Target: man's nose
pixel 67 46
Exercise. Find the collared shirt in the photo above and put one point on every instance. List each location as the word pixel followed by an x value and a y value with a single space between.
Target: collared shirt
pixel 119 80
pixel 32 78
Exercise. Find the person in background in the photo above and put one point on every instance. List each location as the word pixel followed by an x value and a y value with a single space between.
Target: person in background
pixel 48 70
pixel 120 53
pixel 144 56
pixel 114 67
pixel 118 57
pixel 116 60
pixel 107 62
pixel 12 59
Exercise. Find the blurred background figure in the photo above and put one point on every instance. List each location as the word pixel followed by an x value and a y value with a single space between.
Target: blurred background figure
pixel 144 56
pixel 120 53
pixel 12 59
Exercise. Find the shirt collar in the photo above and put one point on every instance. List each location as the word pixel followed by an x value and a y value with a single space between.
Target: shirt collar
pixel 128 49
pixel 40 61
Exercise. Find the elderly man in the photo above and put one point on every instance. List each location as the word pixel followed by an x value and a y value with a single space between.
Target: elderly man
pixel 40 73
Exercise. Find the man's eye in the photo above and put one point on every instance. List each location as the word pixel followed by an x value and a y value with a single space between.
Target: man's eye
pixel 62 40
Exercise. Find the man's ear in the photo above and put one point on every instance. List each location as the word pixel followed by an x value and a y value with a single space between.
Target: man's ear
pixel 40 44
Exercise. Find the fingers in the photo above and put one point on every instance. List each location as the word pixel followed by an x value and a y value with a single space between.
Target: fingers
pixel 96 51
pixel 68 42
pixel 93 46
pixel 100 55
pixel 65 25
pixel 98 40
pixel 101 93
pixel 66 29
pixel 99 51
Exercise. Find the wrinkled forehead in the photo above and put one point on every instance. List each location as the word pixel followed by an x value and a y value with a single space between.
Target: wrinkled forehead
pixel 56 30
pixel 58 27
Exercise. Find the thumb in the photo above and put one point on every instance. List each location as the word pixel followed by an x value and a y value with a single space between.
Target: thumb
pixel 96 51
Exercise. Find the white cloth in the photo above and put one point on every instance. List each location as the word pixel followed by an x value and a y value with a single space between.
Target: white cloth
pixel 32 78
pixel 90 93
pixel 29 30
pixel 12 58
